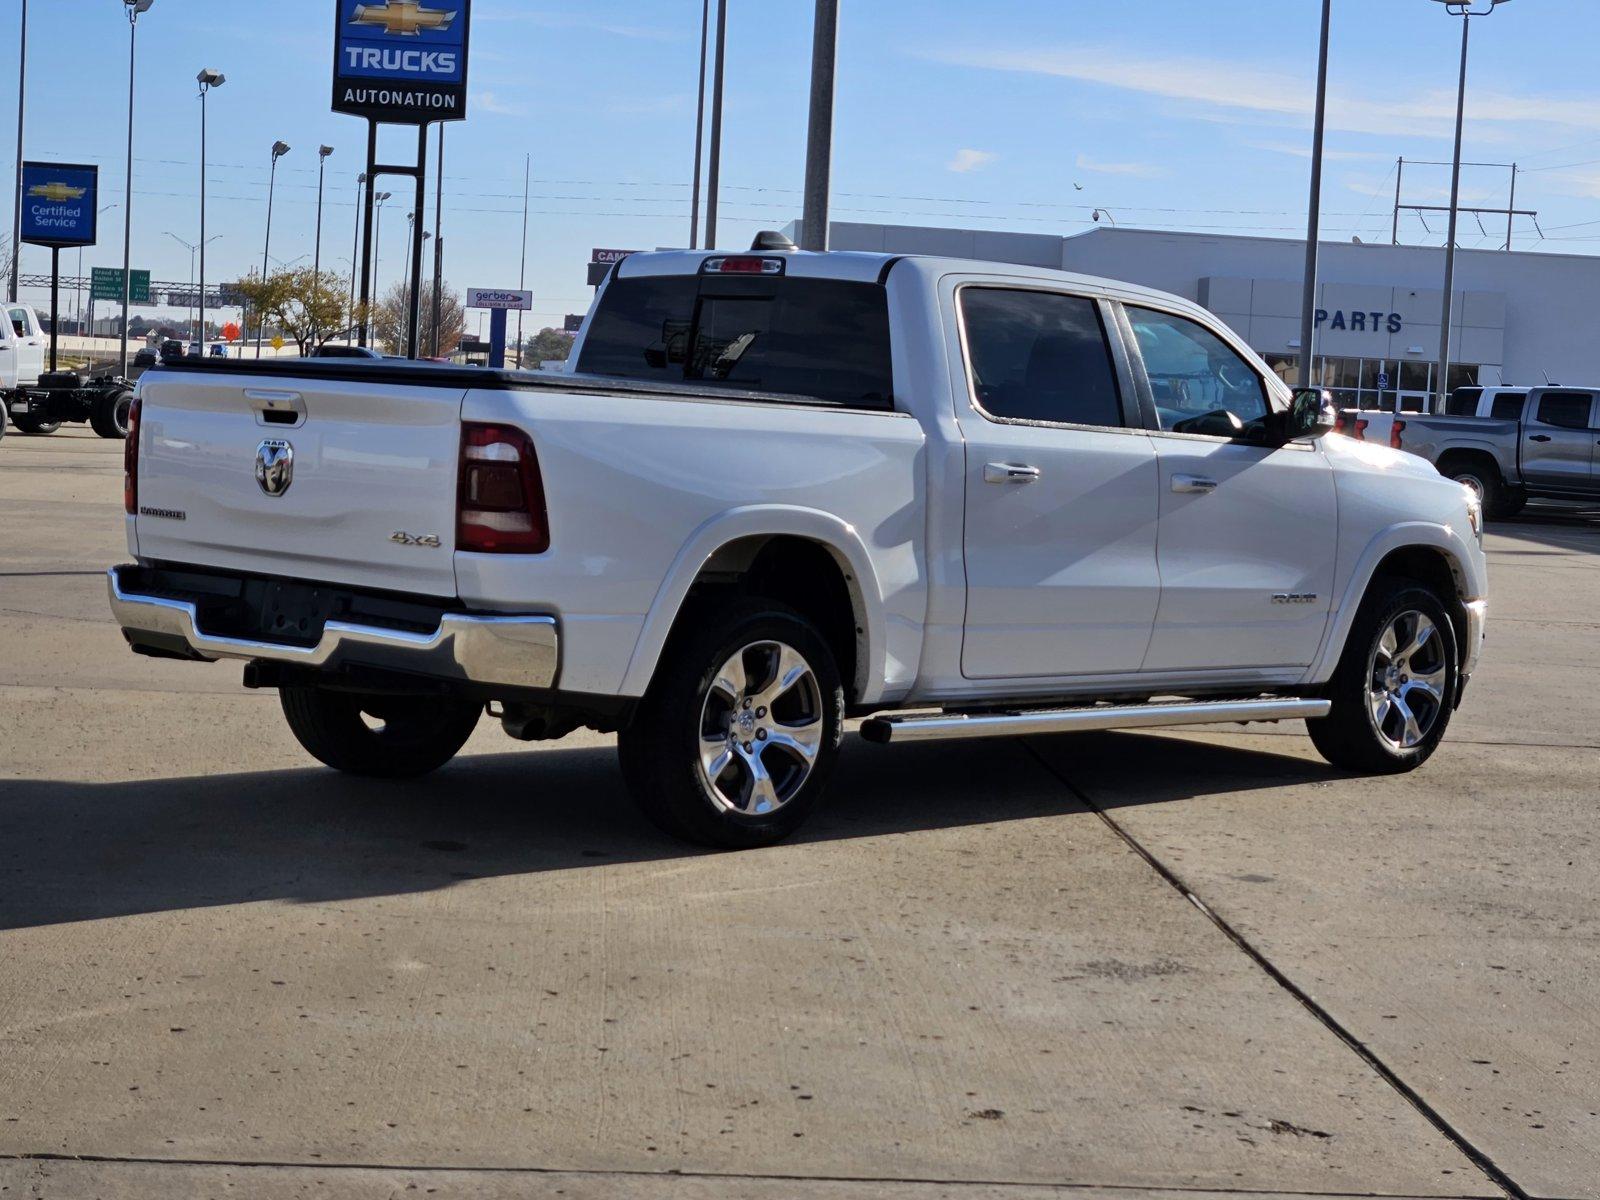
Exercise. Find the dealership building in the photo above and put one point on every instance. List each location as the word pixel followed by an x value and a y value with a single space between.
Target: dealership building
pixel 1520 318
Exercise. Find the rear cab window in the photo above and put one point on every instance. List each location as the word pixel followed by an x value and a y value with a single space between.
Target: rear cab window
pixel 824 340
pixel 1507 406
pixel 1565 410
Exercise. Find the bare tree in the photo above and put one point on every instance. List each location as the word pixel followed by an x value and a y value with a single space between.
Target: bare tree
pixel 390 315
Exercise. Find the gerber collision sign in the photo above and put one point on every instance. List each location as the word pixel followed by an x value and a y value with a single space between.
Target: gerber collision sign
pixel 403 61
pixel 58 204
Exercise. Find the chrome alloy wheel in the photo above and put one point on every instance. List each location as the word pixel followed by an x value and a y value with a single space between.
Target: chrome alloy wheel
pixel 1407 680
pixel 761 729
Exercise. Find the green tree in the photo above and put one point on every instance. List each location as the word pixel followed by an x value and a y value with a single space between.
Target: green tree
pixel 307 307
pixel 546 345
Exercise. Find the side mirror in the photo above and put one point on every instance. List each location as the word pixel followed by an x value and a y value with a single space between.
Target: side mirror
pixel 1312 413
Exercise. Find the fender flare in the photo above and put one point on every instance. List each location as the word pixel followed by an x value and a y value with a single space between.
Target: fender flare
pixel 766 520
pixel 1403 535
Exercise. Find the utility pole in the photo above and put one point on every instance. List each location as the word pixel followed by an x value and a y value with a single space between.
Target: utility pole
pixel 16 223
pixel 522 275
pixel 1308 307
pixel 699 126
pixel 819 138
pixel 1399 178
pixel 714 172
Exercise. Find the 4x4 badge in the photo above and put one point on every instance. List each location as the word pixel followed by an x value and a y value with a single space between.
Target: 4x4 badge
pixel 274 466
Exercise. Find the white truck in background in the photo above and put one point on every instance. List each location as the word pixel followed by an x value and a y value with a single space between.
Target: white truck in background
pixel 37 401
pixel 780 489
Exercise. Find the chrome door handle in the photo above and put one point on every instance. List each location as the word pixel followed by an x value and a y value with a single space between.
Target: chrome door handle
pixel 1193 484
pixel 1009 473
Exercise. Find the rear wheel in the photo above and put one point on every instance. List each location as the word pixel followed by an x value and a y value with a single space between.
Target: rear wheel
pixel 1395 687
pixel 389 737
pixel 736 738
pixel 110 414
pixel 35 425
pixel 1479 476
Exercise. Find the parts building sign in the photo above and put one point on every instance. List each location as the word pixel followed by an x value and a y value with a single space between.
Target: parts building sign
pixel 401 61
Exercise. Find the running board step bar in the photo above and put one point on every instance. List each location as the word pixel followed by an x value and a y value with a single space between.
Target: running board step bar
pixel 944 726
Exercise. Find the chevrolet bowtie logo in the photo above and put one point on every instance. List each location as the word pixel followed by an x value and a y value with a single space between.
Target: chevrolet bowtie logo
pixel 407 18
pixel 58 193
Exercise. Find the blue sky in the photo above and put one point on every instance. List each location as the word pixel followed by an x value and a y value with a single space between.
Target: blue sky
pixel 1004 114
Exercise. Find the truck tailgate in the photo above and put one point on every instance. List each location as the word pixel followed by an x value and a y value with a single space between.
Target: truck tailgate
pixel 367 498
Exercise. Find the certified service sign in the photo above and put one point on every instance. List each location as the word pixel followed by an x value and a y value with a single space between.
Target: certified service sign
pixel 58 204
pixel 403 61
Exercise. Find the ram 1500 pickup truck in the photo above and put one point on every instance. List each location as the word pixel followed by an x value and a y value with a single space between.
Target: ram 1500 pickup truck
pixel 780 489
pixel 1542 441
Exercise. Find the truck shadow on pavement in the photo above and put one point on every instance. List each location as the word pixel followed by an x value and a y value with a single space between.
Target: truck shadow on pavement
pixel 87 851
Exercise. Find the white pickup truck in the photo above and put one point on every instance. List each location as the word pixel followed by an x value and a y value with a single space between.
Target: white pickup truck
pixel 780 489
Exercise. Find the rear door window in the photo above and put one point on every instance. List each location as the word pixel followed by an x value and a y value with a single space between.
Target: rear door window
pixel 822 339
pixel 1565 410
pixel 1039 356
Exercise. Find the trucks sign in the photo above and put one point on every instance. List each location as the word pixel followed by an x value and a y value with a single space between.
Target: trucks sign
pixel 59 203
pixel 402 61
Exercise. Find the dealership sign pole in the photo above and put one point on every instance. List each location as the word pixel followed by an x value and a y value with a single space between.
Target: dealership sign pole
pixel 400 62
pixel 59 208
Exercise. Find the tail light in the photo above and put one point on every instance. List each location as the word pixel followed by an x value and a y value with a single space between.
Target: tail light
pixel 1360 433
pixel 500 506
pixel 1341 424
pixel 1395 431
pixel 130 461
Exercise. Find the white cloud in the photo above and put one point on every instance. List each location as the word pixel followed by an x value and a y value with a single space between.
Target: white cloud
pixel 1242 93
pixel 1299 150
pixel 970 160
pixel 571 21
pixel 1137 170
pixel 490 103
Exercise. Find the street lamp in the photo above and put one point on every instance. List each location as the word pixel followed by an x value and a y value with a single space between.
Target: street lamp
pixel 16 222
pixel 355 248
pixel 134 8
pixel 279 149
pixel 316 258
pixel 1308 301
pixel 377 239
pixel 1466 10
pixel 1100 213
pixel 191 247
pixel 207 79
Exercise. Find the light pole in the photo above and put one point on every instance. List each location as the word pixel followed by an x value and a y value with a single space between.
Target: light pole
pixel 1104 213
pixel 134 7
pixel 1466 10
pixel 279 149
pixel 16 222
pixel 192 248
pixel 714 168
pixel 699 138
pixel 377 238
pixel 819 136
pixel 355 250
pixel 1308 302
pixel 316 257
pixel 207 79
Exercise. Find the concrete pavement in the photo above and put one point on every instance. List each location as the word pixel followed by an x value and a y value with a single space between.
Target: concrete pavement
pixel 1110 965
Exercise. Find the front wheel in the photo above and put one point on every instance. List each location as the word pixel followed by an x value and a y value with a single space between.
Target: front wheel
pixel 110 415
pixel 389 737
pixel 1395 686
pixel 736 738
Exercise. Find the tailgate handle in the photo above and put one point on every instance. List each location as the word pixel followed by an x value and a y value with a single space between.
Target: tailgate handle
pixel 276 407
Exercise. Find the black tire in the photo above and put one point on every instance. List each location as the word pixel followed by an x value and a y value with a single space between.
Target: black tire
pixel 417 734
pixel 660 750
pixel 1510 502
pixel 35 426
pixel 109 416
pixel 1352 736
pixel 1481 476
pixel 3 416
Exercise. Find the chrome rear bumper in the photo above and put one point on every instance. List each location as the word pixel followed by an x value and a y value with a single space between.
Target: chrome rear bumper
pixel 514 651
